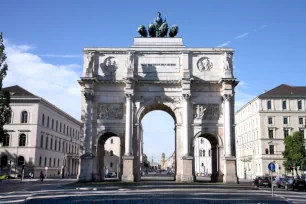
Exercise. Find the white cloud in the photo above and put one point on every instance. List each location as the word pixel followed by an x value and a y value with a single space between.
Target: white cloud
pixel 260 28
pixel 61 56
pixel 224 44
pixel 55 83
pixel 241 36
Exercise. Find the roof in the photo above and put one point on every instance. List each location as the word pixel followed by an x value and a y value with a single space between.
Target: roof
pixel 17 91
pixel 285 90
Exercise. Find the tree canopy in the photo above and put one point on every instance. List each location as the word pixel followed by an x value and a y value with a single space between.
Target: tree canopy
pixel 5 109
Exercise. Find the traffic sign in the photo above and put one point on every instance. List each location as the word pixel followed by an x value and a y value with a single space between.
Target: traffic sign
pixel 271 166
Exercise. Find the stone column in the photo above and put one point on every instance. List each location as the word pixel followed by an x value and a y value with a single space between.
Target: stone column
pixel 186 124
pixel 128 171
pixel 228 124
pixel 87 157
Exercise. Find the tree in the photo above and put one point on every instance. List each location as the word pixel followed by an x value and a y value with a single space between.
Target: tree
pixel 5 109
pixel 294 154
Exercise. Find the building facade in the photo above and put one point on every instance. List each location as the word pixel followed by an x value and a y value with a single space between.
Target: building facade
pixel 39 135
pixel 193 85
pixel 202 156
pixel 112 155
pixel 170 163
pixel 261 126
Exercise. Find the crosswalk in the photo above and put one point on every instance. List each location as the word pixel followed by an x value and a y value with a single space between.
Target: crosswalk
pixel 292 196
pixel 14 197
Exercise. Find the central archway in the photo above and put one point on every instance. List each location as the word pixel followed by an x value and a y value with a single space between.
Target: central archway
pixel 149 172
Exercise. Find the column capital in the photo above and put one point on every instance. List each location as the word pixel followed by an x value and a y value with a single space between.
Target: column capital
pixel 88 93
pixel 186 96
pixel 227 97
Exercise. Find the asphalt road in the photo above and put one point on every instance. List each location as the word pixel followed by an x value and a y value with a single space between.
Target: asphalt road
pixel 66 191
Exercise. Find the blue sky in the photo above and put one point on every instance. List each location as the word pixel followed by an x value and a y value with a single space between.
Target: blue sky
pixel 47 38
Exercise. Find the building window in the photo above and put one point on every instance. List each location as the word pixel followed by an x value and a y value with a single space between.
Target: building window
pixel 55 145
pixel 271 149
pixel 200 153
pixel 39 161
pixel 47 141
pixel 269 105
pixel 64 128
pixel 63 147
pixel 301 131
pixel 111 164
pixel 67 130
pixel 270 122
pixel 112 141
pixel 59 145
pixel 204 153
pixel 271 133
pixel 58 162
pixel 54 160
pixel 50 162
pixel 6 140
pixel 267 151
pixel 286 132
pixel 56 126
pixel 20 160
pixel 301 121
pixel 60 127
pixel 9 119
pixel 43 120
pixel 24 117
pixel 45 161
pixel 4 161
pixel 70 132
pixel 284 105
pixel 285 120
pixel 22 140
pixel 69 148
pixel 66 147
pixel 202 164
pixel 51 143
pixel 41 141
pixel 209 153
pixel 299 105
pixel 48 120
pixel 52 124
pixel 202 141
pixel 111 153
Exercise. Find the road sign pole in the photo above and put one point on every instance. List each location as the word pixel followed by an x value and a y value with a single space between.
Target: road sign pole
pixel 272 183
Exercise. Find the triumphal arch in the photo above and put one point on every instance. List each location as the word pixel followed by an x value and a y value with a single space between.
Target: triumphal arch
pixel 194 85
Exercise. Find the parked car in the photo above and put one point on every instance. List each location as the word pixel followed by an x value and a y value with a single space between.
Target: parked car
pixel 262 181
pixel 111 175
pixel 293 184
pixel 279 182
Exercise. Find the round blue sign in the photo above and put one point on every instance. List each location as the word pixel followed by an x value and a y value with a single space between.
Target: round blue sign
pixel 271 167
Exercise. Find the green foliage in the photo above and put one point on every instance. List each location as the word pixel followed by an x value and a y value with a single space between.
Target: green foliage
pixel 3 177
pixel 294 153
pixel 5 109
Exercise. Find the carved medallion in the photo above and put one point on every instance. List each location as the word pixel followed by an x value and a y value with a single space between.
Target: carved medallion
pixel 204 64
pixel 109 66
pixel 206 111
pixel 110 111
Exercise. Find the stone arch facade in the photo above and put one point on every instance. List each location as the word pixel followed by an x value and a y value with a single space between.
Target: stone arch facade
pixel 191 84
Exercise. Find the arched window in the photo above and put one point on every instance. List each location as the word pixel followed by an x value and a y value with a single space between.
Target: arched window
pixel 202 164
pixel 6 140
pixel 47 141
pixel 111 164
pixel 48 120
pixel 22 140
pixel 111 153
pixel 41 141
pixel 50 162
pixel 45 161
pixel 54 160
pixel 202 141
pixel 43 120
pixel 200 153
pixel 39 161
pixel 24 117
pixel 20 160
pixel 3 161
pixel 112 141
pixel 58 160
pixel 209 153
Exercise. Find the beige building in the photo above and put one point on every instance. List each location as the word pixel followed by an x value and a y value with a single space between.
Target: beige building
pixel 170 162
pixel 112 155
pixel 202 156
pixel 39 135
pixel 261 126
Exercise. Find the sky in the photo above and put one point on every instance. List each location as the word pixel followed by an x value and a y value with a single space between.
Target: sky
pixel 44 42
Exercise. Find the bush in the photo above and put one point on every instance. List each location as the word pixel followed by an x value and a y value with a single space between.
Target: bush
pixel 3 177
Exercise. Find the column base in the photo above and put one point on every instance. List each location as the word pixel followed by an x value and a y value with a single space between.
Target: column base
pixel 86 167
pixel 127 174
pixel 230 173
pixel 187 176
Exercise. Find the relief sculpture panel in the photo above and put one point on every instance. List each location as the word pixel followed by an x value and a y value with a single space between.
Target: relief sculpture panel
pixel 206 111
pixel 110 111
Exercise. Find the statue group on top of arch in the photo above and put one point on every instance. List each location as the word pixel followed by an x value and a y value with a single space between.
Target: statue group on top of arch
pixel 158 29
pixel 109 66
pixel 227 61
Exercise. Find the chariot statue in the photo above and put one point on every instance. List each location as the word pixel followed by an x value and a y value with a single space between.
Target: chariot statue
pixel 158 29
